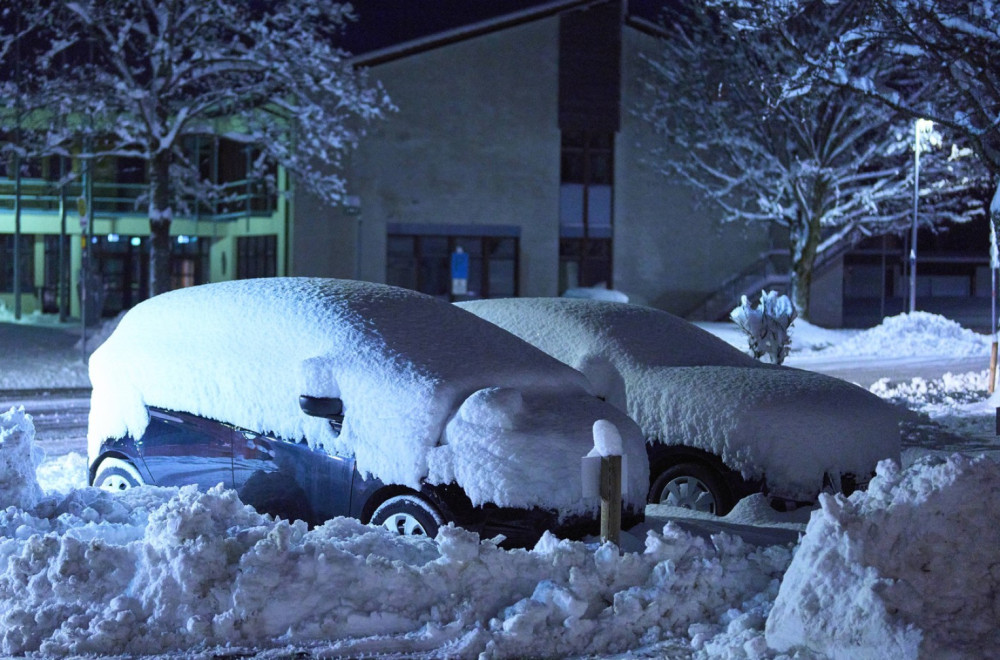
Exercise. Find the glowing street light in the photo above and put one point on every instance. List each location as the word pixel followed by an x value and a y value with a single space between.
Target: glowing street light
pixel 923 134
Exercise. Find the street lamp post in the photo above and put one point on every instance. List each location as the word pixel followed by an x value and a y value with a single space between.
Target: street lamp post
pixel 920 127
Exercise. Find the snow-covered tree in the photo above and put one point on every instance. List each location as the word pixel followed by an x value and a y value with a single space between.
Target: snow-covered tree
pixel 926 59
pixel 819 164
pixel 141 78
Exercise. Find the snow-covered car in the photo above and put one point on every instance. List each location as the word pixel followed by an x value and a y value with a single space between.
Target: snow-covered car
pixel 316 398
pixel 719 424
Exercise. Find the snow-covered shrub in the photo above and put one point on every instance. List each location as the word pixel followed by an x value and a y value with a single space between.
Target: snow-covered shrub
pixel 766 326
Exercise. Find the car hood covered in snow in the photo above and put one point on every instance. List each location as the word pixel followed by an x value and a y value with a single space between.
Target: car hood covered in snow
pixel 788 426
pixel 403 363
pixel 686 386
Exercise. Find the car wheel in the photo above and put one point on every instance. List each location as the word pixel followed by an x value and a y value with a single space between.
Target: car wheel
pixel 115 475
pixel 408 515
pixel 691 486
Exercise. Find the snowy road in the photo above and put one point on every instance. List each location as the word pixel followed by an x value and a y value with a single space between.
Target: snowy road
pixel 866 370
pixel 59 415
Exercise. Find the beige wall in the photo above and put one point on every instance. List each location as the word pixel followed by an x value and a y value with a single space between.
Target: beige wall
pixel 669 253
pixel 475 142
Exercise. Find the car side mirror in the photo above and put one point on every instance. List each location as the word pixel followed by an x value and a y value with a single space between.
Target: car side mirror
pixel 330 407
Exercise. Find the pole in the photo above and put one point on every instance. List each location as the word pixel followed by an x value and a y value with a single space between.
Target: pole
pixel 913 236
pixel 17 231
pixel 17 172
pixel 881 312
pixel 63 294
pixel 994 267
pixel 611 499
pixel 84 205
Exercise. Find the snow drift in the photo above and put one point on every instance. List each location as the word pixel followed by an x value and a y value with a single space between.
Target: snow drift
pixel 908 569
pixel 156 570
pixel 915 333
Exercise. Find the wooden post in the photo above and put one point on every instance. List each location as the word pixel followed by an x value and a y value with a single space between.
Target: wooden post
pixel 611 498
pixel 993 368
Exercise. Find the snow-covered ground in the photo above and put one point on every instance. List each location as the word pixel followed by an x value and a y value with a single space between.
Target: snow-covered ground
pixel 906 569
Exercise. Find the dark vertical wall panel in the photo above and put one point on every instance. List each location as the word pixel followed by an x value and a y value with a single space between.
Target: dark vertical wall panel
pixel 590 44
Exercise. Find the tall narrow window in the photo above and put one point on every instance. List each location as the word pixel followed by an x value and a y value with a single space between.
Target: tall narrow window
pixel 27 262
pixel 256 256
pixel 585 209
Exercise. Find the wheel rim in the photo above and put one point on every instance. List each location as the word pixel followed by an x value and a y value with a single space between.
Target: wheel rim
pixel 115 482
pixel 688 493
pixel 404 524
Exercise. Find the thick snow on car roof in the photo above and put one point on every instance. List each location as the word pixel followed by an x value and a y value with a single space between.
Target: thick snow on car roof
pixel 684 386
pixel 622 331
pixel 242 352
pixel 605 340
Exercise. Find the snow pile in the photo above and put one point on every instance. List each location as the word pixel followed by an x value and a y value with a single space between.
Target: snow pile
pixel 909 335
pixel 99 335
pixel 18 457
pixel 908 569
pixel 596 293
pixel 61 474
pixel 165 570
pixel 925 395
pixel 807 337
pixel 411 371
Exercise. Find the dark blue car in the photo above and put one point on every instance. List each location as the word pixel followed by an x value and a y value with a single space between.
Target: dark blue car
pixel 319 398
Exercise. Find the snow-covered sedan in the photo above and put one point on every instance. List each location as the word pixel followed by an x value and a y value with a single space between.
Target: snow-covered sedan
pixel 316 398
pixel 719 424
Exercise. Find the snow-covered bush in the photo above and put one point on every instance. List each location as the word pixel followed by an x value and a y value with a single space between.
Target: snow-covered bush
pixel 766 326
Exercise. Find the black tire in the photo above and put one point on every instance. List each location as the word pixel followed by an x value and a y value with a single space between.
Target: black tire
pixel 408 515
pixel 116 475
pixel 692 486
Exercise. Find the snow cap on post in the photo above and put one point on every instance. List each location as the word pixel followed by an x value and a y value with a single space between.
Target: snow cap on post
pixel 607 440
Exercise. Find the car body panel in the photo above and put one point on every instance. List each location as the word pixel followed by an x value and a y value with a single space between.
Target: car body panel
pixel 185 449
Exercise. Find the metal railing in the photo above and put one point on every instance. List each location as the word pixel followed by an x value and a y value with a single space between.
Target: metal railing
pixel 241 199
pixel 770 271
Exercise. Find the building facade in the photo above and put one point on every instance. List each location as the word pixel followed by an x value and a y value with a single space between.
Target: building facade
pixel 95 224
pixel 515 164
pixel 515 141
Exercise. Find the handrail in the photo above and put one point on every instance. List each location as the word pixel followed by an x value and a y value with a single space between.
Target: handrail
pixel 119 199
pixel 769 271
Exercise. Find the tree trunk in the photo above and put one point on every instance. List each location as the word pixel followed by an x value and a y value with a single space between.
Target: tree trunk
pixel 804 241
pixel 160 216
